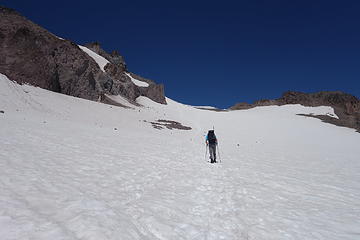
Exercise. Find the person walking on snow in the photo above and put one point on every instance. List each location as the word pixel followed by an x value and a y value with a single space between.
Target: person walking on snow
pixel 211 141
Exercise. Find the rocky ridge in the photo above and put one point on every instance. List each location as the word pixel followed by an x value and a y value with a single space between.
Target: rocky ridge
pixel 346 106
pixel 31 54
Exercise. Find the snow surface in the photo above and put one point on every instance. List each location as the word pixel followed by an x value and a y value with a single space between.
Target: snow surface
pixel 137 82
pixel 66 173
pixel 100 60
pixel 120 99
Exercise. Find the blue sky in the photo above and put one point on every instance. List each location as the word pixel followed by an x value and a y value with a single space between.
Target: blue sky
pixel 219 52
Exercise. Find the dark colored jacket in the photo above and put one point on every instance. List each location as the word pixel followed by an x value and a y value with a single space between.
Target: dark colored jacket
pixel 211 138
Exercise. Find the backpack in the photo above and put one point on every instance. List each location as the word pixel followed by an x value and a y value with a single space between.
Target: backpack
pixel 211 137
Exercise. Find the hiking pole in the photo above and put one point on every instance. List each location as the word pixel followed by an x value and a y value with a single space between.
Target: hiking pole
pixel 205 151
pixel 219 152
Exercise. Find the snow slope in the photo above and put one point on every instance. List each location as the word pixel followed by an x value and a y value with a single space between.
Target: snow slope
pixel 100 60
pixel 120 99
pixel 67 173
pixel 137 82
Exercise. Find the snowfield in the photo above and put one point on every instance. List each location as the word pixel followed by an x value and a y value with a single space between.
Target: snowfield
pixel 75 169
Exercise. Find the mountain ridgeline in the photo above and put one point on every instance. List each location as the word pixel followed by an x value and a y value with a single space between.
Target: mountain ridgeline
pixel 346 106
pixel 31 54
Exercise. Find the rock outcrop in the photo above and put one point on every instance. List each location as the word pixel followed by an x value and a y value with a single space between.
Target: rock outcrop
pixel 114 57
pixel 346 106
pixel 153 91
pixel 30 54
pixel 348 103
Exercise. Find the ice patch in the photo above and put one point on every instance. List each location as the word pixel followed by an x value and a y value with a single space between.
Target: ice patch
pixel 137 82
pixel 100 60
pixel 321 110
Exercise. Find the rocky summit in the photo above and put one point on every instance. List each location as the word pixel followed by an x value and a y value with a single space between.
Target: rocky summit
pixel 31 54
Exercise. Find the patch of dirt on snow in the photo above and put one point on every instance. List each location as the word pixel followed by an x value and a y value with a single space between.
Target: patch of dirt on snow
pixel 161 124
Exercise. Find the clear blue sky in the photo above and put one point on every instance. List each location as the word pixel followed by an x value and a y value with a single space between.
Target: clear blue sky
pixel 219 52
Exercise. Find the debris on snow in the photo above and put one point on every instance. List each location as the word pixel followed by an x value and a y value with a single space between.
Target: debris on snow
pixel 161 123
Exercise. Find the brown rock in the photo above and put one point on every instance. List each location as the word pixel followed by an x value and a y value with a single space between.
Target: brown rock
pixel 31 54
pixel 114 57
pixel 153 91
pixel 241 106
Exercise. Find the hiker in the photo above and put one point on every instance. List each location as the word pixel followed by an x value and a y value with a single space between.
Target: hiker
pixel 211 141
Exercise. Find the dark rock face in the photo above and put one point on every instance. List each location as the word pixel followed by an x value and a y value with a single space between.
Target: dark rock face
pixel 346 106
pixel 31 54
